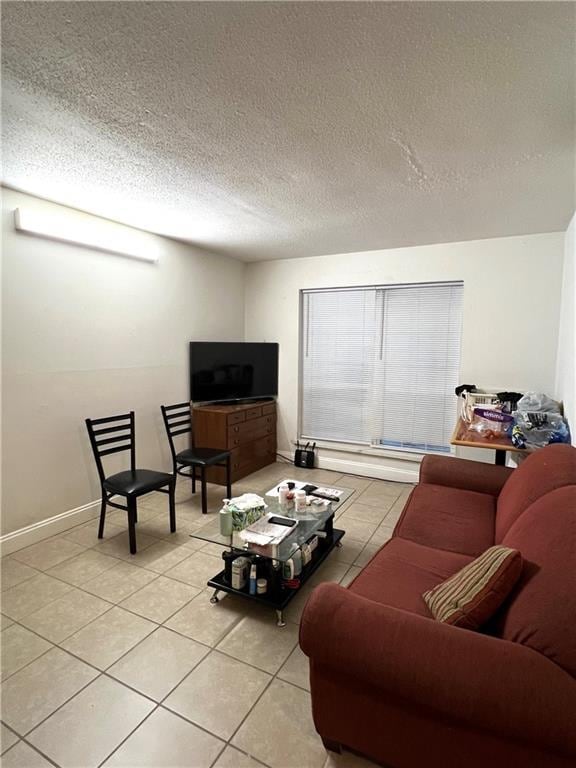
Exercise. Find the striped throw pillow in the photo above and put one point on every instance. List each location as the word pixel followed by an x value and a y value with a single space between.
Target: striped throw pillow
pixel 472 595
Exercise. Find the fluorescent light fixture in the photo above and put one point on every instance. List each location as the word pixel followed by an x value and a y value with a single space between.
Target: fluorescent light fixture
pixel 70 226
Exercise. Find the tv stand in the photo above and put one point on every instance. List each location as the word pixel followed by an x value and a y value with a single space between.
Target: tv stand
pixel 241 401
pixel 247 430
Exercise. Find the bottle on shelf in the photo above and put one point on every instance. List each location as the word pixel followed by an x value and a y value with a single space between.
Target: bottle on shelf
pixel 253 579
pixel 226 519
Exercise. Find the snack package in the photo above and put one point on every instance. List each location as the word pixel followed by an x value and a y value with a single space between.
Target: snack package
pixel 491 423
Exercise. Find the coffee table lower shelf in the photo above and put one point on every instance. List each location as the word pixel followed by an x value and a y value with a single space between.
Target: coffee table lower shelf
pixel 278 598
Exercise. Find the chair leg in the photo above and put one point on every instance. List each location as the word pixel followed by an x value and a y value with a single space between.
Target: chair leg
pixel 228 478
pixel 193 479
pixel 102 515
pixel 132 524
pixel 204 499
pixel 172 502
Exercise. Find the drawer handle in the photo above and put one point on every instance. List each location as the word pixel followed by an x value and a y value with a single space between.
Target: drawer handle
pixel 236 429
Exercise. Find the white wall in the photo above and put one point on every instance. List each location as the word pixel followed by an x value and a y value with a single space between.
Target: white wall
pixel 510 318
pixel 566 367
pixel 89 334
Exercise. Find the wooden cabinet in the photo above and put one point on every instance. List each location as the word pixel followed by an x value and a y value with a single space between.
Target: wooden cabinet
pixel 248 431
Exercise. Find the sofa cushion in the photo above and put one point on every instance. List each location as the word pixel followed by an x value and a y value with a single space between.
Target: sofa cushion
pixel 402 570
pixel 471 596
pixel 543 471
pixel 541 610
pixel 449 518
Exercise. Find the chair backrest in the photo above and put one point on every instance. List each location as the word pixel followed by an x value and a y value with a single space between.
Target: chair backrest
pixel 178 421
pixel 112 434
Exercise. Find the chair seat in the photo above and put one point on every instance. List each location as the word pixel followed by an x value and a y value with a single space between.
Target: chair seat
pixel 202 456
pixel 137 482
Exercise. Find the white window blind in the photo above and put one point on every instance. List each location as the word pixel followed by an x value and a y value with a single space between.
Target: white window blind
pixel 337 348
pixel 379 365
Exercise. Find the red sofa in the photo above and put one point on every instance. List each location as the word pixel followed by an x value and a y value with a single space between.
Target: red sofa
pixel 393 684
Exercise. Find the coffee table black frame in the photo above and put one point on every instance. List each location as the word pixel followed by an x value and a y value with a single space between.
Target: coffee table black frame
pixel 278 596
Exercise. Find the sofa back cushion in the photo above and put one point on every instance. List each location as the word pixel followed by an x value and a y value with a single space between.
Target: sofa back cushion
pixel 541 472
pixel 540 612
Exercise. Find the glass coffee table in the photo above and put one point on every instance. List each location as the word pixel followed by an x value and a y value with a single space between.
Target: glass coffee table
pixel 315 525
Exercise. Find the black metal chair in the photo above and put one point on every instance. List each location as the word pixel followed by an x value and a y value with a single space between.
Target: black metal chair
pixel 178 421
pixel 114 435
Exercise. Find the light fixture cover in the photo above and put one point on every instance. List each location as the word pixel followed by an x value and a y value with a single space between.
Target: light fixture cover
pixel 89 231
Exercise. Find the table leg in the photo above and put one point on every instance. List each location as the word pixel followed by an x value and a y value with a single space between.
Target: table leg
pixel 204 492
pixel 500 458
pixel 280 619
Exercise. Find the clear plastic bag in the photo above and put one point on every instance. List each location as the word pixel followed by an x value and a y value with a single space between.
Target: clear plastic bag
pixel 539 428
pixel 536 402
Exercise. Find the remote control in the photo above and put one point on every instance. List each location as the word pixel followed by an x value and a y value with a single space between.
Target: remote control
pixel 325 496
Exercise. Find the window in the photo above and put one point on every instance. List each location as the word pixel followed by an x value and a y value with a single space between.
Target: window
pixel 379 365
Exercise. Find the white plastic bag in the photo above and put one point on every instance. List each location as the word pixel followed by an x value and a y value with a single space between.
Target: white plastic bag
pixel 534 402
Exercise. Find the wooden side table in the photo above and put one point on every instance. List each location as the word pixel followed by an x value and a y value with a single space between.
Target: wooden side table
pixel 469 438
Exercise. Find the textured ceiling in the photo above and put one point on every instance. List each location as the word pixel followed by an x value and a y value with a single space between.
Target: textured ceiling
pixel 270 130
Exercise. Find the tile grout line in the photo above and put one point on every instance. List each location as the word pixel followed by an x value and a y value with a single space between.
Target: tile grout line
pixel 105 672
pixel 57 644
pixel 134 613
pixel 158 625
pixel 34 748
pixel 101 673
pixel 161 703
pixel 81 587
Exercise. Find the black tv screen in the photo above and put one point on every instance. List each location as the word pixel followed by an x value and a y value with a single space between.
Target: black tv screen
pixel 221 370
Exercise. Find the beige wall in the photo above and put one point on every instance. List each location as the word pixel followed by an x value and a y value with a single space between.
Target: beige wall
pixel 87 333
pixel 510 317
pixel 566 367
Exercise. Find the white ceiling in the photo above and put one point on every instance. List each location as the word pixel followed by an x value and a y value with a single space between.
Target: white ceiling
pixel 270 130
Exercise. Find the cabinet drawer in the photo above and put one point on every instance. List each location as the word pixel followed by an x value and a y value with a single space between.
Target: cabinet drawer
pixel 269 408
pixel 248 430
pixel 243 439
pixel 253 413
pixel 218 474
pixel 242 457
pixel 236 418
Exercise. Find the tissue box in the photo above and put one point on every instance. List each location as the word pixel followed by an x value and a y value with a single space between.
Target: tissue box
pixel 246 509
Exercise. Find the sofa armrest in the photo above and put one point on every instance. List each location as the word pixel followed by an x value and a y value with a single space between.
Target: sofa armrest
pixel 464 474
pixel 471 678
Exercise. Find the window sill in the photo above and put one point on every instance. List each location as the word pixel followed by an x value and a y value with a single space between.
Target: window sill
pixel 367 450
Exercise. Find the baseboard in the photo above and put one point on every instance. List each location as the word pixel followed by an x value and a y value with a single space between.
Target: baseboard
pixel 52 526
pixel 44 529
pixel 366 469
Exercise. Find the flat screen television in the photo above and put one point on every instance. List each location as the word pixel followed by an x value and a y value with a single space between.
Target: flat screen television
pixel 232 371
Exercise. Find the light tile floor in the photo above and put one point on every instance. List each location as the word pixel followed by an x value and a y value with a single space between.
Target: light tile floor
pixel 117 660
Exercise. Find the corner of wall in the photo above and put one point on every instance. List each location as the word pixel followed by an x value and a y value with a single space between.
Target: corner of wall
pixel 566 353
